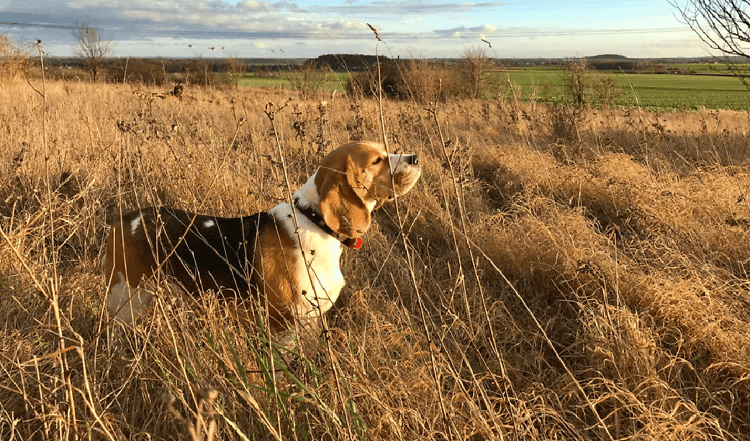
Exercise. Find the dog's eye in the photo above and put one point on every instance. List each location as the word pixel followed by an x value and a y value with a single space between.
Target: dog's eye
pixel 377 160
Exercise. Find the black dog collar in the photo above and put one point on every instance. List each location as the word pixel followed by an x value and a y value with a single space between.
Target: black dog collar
pixel 317 219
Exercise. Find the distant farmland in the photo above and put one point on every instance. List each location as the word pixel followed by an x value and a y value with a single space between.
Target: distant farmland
pixel 333 81
pixel 655 86
pixel 710 87
pixel 660 92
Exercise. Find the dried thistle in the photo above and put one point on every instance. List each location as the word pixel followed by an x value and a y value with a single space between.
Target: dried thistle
pixel 375 31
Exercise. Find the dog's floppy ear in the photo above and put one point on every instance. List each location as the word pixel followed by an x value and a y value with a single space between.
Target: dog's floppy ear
pixel 342 208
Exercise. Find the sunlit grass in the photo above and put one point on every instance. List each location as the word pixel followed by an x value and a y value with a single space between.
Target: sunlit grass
pixel 554 274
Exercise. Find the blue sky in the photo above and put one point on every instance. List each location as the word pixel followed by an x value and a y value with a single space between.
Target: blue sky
pixel 308 28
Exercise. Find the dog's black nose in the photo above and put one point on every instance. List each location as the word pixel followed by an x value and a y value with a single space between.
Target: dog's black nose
pixel 412 159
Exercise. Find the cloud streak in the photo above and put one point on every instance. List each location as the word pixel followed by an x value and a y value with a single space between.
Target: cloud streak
pixel 478 31
pixel 409 7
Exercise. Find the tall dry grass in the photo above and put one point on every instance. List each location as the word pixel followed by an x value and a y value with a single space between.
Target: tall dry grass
pixel 591 287
pixel 13 58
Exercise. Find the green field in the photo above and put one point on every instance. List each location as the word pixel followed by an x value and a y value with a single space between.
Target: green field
pixel 707 68
pixel 658 92
pixel 649 91
pixel 293 80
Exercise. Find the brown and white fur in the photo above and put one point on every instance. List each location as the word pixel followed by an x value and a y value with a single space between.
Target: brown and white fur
pixel 261 258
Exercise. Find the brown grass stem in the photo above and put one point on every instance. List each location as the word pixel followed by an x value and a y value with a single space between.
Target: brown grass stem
pixel 448 424
pixel 323 323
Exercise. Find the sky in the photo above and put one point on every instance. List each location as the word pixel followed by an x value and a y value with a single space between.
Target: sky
pixel 308 28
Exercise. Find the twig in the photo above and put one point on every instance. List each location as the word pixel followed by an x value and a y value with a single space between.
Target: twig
pixel 433 364
pixel 462 214
pixel 271 116
pixel 53 283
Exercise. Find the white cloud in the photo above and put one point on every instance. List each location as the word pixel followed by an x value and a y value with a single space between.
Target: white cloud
pixel 256 6
pixel 289 5
pixel 477 31
pixel 348 24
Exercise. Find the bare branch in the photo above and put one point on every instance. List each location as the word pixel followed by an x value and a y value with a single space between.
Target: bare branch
pixel 722 25
pixel 474 64
pixel 91 48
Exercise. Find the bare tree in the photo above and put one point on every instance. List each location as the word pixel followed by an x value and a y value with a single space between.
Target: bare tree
pixel 236 69
pixel 474 64
pixel 91 48
pixel 723 25
pixel 308 78
pixel 577 82
pixel 13 57
pixel 586 88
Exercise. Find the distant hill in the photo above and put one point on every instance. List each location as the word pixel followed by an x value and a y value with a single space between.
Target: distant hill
pixel 612 63
pixel 607 57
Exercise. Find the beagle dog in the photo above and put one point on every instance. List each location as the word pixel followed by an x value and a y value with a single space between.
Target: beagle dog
pixel 285 259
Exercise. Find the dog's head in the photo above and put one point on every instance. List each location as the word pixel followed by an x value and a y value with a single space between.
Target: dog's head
pixel 357 178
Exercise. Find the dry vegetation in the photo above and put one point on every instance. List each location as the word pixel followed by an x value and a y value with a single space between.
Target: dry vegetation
pixel 426 81
pixel 13 58
pixel 557 277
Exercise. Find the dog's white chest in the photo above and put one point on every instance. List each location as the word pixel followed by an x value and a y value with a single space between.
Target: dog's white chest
pixel 319 281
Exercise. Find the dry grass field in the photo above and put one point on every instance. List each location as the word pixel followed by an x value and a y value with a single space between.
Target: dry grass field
pixel 552 276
